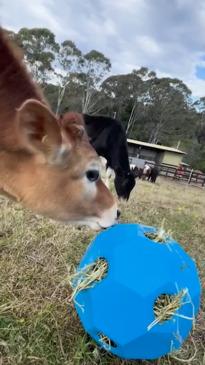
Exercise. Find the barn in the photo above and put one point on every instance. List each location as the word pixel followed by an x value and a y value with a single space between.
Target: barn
pixel 154 153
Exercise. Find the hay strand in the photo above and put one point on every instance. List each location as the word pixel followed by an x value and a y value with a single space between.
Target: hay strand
pixel 166 306
pixel 160 235
pixel 106 341
pixel 182 355
pixel 87 277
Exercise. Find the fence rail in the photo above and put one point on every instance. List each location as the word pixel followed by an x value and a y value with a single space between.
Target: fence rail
pixel 190 176
pixel 187 175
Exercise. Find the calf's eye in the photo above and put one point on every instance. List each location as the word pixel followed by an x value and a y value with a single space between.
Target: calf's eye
pixel 92 175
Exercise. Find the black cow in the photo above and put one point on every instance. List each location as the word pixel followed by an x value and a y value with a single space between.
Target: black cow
pixel 109 140
pixel 153 174
pixel 138 172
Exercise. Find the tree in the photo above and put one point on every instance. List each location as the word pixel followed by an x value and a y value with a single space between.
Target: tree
pixel 167 108
pixel 95 67
pixel 200 128
pixel 143 76
pixel 196 155
pixel 69 63
pixel 123 92
pixel 40 50
pixel 158 110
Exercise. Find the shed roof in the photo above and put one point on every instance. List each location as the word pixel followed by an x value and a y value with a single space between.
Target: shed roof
pixel 156 146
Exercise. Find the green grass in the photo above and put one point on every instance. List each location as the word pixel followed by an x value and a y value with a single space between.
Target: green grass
pixel 37 325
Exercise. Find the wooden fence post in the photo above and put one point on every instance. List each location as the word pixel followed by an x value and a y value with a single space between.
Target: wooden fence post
pixel 189 179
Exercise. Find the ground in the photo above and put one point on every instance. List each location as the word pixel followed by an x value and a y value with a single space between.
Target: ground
pixel 37 324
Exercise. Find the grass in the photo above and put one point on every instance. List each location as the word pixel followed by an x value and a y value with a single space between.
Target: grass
pixel 38 326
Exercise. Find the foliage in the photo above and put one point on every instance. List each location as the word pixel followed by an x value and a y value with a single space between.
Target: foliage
pixel 152 109
pixel 39 47
pixel 69 62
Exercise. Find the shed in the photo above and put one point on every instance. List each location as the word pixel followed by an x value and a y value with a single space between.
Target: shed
pixel 154 152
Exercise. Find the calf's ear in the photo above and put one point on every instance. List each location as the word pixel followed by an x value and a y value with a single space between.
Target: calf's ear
pixel 73 128
pixel 36 124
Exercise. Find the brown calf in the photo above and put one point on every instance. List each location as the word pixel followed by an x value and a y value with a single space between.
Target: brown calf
pixel 50 169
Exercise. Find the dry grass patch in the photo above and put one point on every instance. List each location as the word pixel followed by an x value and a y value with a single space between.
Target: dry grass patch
pixel 37 323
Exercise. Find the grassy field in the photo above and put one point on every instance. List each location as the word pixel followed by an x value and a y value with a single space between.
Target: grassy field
pixel 37 326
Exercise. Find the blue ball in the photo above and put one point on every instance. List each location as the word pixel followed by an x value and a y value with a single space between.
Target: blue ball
pixel 121 306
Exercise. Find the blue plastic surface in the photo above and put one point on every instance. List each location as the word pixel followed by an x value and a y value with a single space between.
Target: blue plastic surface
pixel 121 305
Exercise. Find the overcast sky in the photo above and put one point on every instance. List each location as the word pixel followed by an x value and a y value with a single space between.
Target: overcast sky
pixel 168 36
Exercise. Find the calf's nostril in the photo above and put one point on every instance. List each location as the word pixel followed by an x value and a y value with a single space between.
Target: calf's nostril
pixel 118 213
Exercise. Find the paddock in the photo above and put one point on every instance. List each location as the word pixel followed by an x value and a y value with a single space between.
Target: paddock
pixel 37 324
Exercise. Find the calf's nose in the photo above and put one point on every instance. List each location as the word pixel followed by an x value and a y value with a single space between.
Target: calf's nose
pixel 118 214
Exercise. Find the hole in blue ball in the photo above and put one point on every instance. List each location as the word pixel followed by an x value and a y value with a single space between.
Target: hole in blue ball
pixel 88 276
pixel 99 269
pixel 156 237
pixel 166 305
pixel 106 341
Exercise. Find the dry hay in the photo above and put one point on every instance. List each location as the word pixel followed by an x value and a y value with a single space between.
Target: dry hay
pixel 167 305
pixel 160 235
pixel 87 276
pixel 106 341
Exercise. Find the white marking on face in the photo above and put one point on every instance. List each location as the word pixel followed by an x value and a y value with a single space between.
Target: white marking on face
pixel 109 216
pixel 107 219
pixel 109 174
pixel 90 186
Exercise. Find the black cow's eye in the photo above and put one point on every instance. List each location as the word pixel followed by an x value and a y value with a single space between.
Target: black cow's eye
pixel 92 175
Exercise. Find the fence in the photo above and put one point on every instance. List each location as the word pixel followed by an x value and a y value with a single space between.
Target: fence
pixel 187 175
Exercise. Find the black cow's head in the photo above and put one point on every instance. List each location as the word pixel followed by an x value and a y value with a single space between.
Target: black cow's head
pixel 124 183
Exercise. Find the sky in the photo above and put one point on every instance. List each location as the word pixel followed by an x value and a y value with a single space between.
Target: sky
pixel 167 36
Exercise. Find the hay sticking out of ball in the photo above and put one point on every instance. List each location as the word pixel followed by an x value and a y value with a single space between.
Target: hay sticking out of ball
pixel 106 341
pixel 159 236
pixel 166 306
pixel 88 276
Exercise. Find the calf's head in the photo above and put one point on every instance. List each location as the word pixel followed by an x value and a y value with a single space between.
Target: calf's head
pixel 53 170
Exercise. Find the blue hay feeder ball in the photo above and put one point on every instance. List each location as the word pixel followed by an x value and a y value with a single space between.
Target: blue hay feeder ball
pixel 120 307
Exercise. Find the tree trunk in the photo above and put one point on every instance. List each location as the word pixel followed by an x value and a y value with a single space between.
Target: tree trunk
pixel 155 133
pixel 61 94
pixel 131 118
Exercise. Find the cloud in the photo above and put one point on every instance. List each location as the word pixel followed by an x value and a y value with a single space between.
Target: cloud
pixel 166 36
pixel 21 13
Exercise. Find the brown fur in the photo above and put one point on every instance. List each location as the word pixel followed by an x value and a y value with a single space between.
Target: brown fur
pixel 43 165
pixel 16 86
